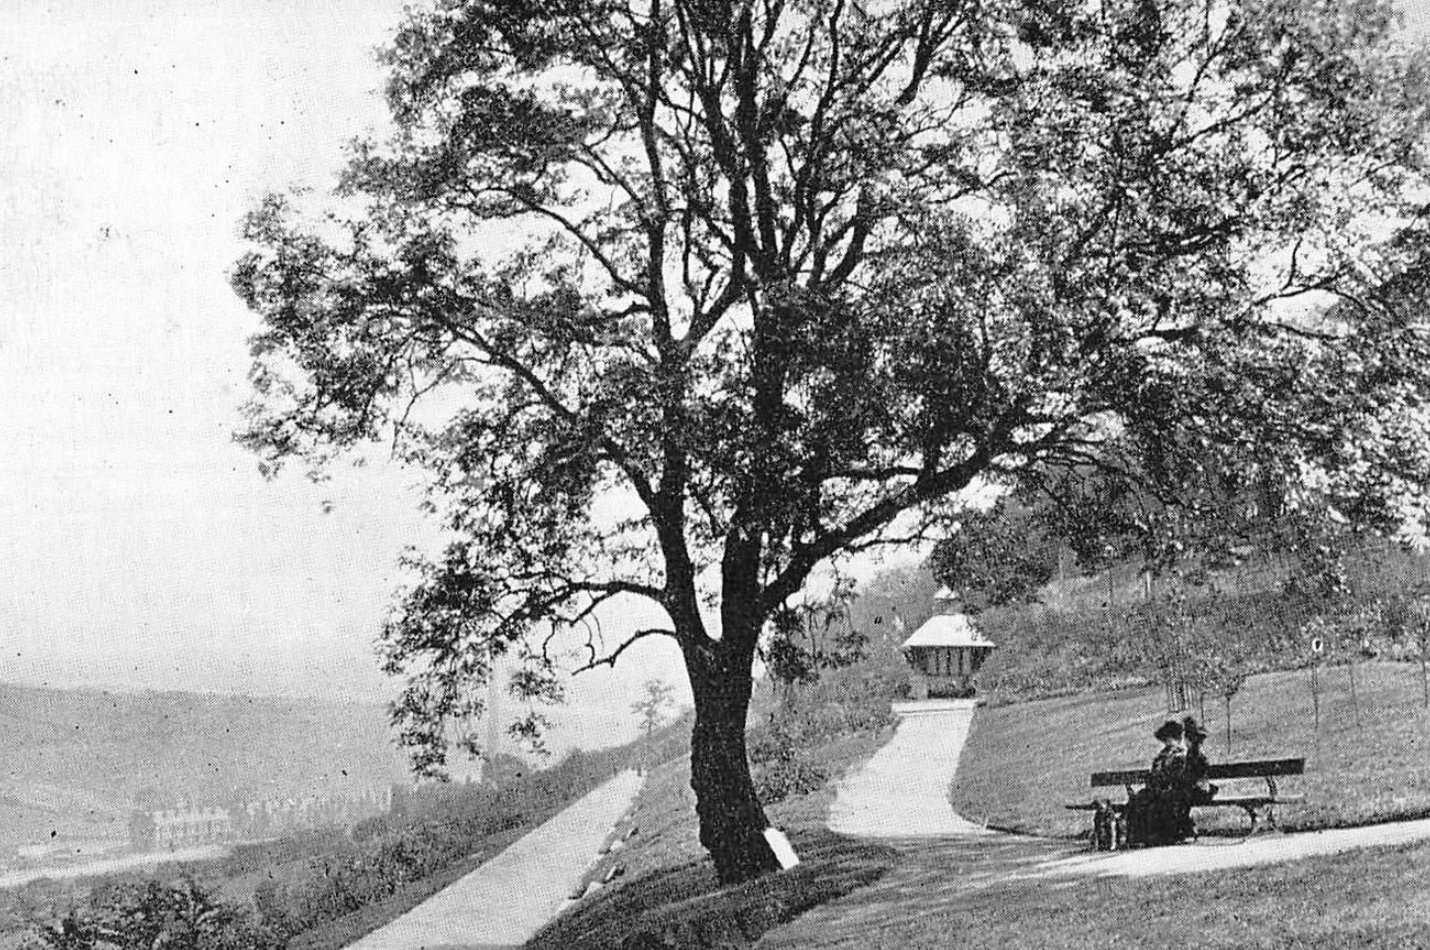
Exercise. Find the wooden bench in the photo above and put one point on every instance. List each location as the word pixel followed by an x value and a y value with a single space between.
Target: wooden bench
pixel 1269 770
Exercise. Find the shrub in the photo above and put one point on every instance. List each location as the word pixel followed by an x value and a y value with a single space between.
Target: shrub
pixel 778 780
pixel 182 916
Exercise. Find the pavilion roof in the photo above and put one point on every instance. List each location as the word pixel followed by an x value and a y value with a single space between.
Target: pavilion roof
pixel 948 630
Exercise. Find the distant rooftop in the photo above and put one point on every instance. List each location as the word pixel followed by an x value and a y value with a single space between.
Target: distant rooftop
pixel 948 630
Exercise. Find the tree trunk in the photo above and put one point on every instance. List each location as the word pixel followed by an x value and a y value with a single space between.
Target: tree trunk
pixel 732 821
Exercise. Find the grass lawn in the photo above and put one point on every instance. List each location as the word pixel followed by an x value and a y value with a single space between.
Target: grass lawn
pixel 667 895
pixel 1024 761
pixel 949 895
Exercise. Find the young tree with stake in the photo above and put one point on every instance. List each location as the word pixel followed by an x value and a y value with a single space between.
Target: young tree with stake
pixel 776 279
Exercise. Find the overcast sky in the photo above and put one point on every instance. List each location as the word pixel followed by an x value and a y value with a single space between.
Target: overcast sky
pixel 139 546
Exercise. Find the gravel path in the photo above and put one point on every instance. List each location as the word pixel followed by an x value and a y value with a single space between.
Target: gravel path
pixel 1221 853
pixel 503 902
pixel 902 792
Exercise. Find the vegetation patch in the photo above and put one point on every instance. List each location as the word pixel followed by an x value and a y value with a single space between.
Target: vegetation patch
pixel 351 927
pixel 1203 630
pixel 321 891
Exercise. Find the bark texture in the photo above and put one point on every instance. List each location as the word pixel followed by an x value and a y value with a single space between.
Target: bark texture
pixel 732 821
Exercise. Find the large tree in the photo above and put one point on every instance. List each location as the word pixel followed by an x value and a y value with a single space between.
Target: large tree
pixel 682 299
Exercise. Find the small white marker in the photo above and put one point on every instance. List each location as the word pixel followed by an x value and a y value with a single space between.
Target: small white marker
pixel 784 851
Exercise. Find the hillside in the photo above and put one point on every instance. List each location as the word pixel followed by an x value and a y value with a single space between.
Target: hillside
pixel 74 763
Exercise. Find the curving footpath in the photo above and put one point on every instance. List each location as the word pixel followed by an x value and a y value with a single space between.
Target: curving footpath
pixel 903 791
pixel 505 901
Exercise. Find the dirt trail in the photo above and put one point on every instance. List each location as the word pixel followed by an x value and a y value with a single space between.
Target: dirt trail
pixel 503 902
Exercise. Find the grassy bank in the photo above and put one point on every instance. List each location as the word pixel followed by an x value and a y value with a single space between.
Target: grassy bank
pixel 1024 761
pixel 950 895
pixel 667 894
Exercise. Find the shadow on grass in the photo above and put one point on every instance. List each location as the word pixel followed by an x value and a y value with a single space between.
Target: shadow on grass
pixel 684 906
pixel 977 893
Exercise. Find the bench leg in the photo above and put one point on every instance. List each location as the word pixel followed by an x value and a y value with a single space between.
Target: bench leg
pixel 1254 813
pixel 1104 830
pixel 1251 813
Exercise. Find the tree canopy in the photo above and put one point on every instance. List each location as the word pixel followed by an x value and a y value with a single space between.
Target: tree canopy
pixel 682 299
pixel 996 557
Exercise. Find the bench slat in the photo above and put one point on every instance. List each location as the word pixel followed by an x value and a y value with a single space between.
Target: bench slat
pixel 1239 801
pixel 1271 767
pixel 1227 770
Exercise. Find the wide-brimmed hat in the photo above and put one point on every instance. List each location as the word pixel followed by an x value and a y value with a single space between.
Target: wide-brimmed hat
pixel 1171 729
pixel 1192 729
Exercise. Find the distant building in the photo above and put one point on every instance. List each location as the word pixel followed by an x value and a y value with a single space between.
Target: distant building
pixel 186 827
pixel 944 655
pixel 171 828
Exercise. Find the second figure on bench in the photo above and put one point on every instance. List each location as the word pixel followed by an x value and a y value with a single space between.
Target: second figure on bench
pixel 1194 787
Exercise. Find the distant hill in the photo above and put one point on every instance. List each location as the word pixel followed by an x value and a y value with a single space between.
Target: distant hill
pixel 75 763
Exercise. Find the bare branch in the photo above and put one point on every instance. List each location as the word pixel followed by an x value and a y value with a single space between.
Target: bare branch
pixel 610 659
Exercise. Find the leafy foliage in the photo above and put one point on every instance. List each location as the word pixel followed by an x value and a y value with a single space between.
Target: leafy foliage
pixel 811 637
pixel 682 301
pixel 996 557
pixel 152 914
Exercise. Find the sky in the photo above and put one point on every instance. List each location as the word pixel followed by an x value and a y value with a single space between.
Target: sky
pixel 139 546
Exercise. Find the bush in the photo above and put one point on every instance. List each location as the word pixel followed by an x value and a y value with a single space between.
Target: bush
pixel 144 916
pixel 776 781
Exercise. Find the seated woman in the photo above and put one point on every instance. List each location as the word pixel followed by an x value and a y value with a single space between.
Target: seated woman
pixel 1152 813
pixel 1195 789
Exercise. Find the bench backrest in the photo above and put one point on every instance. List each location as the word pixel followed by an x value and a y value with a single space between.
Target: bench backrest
pixel 1267 768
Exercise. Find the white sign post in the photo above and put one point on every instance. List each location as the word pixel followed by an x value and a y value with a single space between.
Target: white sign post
pixel 1318 647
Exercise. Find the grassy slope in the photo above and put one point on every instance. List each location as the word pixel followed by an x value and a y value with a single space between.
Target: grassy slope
pixel 954 894
pixel 1366 899
pixel 668 892
pixel 1024 761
